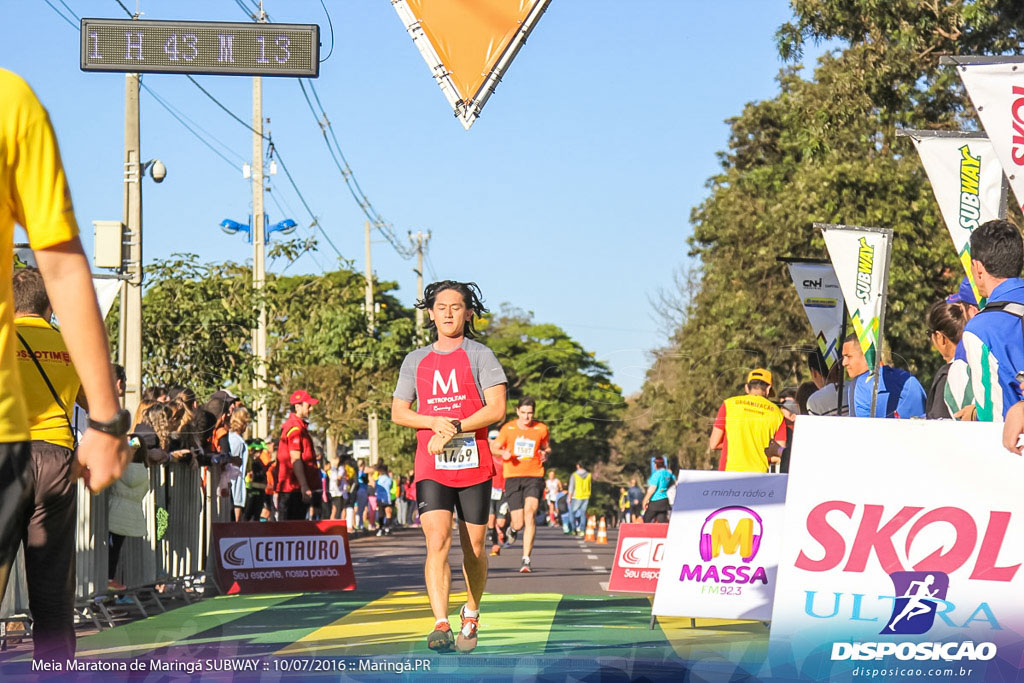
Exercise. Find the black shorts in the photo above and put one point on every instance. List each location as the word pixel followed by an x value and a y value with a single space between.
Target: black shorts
pixel 518 489
pixel 499 508
pixel 471 502
pixel 657 511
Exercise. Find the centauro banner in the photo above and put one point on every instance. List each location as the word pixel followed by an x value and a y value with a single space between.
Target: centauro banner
pixel 899 563
pixel 968 183
pixel 860 257
pixel 818 288
pixel 997 91
pixel 469 44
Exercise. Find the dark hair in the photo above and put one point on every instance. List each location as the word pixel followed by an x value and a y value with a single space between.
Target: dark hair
pixel 153 393
pixel 185 395
pixel 998 246
pixel 816 363
pixel 788 392
pixel 527 402
pixel 803 393
pixel 119 373
pixel 758 384
pixel 852 337
pixel 29 291
pixel 947 318
pixel 471 297
pixel 382 468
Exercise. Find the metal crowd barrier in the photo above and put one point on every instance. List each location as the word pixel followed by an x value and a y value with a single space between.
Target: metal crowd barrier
pixel 176 563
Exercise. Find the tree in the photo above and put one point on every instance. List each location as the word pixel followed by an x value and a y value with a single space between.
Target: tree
pixel 822 150
pixel 575 395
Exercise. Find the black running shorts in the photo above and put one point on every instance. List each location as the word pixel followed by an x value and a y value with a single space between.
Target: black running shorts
pixel 657 511
pixel 517 489
pixel 473 503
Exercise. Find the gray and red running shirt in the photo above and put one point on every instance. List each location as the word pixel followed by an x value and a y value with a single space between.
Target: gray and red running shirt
pixel 451 385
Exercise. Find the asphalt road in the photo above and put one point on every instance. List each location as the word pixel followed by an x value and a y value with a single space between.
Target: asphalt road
pixel 561 564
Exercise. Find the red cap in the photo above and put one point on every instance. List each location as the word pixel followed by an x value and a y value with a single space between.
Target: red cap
pixel 302 396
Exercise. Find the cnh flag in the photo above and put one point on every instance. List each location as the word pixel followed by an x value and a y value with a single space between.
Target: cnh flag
pixel 860 257
pixel 469 44
pixel 997 91
pixel 967 179
pixel 818 288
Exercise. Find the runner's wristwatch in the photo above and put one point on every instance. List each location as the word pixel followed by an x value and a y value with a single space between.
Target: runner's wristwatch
pixel 117 426
pixel 458 425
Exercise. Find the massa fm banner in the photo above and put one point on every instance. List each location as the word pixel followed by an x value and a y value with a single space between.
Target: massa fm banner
pixel 967 179
pixel 860 257
pixel 469 44
pixel 818 288
pixel 722 550
pixel 898 562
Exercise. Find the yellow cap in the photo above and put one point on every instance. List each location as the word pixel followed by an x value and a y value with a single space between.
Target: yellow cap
pixel 760 374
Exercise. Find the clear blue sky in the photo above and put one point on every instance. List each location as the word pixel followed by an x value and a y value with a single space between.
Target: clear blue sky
pixel 569 197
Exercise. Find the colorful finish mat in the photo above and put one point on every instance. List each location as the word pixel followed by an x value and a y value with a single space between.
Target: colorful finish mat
pixel 522 635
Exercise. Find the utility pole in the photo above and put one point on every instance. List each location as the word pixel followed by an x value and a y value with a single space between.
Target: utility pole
pixel 131 300
pixel 419 241
pixel 258 232
pixel 370 324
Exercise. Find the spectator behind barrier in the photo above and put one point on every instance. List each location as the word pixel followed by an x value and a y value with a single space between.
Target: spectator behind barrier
pixel 945 327
pixel 991 345
pixel 900 395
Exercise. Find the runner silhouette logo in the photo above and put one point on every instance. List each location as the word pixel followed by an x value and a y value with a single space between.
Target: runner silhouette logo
pixel 918 595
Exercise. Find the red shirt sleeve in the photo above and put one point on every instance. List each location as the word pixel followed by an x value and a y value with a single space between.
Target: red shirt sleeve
pixel 294 439
pixel 720 418
pixel 780 433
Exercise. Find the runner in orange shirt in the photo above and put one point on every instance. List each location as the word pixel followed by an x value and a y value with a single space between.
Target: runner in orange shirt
pixel 524 445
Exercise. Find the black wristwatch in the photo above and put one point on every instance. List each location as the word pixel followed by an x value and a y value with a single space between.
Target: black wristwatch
pixel 116 426
pixel 458 425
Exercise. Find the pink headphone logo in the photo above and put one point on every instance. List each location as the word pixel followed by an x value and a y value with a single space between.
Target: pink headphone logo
pixel 707 552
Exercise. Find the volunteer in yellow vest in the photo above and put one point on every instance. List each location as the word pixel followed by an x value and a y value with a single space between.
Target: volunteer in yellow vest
pixel 746 425
pixel 37 496
pixel 579 499
pixel 524 446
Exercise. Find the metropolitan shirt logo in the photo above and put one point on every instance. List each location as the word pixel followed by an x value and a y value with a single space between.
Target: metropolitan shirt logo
pixel 447 387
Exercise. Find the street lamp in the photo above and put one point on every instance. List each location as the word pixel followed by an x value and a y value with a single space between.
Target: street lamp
pixel 285 227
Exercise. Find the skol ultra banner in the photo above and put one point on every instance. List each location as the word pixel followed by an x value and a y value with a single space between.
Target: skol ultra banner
pixel 469 44
pixel 968 183
pixel 997 91
pixel 818 288
pixel 902 547
pixel 860 257
pixel 722 549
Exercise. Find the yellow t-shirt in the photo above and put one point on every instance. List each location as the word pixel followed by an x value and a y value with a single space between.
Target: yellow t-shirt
pixel 33 193
pixel 750 423
pixel 46 420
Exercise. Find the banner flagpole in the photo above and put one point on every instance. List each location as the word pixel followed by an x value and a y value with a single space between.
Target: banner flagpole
pixel 842 372
pixel 887 235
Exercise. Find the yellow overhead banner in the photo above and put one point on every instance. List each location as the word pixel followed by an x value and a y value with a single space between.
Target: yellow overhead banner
pixel 468 44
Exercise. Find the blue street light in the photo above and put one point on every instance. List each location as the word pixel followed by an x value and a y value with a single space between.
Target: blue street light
pixel 285 227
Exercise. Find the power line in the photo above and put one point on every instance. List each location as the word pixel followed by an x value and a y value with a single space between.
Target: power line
pixel 126 10
pixel 331 24
pixel 180 120
pixel 316 221
pixel 167 105
pixel 224 107
pixel 61 15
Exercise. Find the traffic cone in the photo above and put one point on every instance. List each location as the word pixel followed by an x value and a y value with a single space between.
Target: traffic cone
pixel 590 529
pixel 602 533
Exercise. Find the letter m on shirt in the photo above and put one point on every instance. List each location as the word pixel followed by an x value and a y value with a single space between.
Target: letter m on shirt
pixel 442 386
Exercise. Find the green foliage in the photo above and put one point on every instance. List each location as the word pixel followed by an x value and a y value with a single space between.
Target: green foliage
pixel 574 392
pixel 822 150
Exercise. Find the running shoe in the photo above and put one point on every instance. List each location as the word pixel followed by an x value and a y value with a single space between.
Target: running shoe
pixel 510 537
pixel 495 550
pixel 440 639
pixel 525 569
pixel 465 641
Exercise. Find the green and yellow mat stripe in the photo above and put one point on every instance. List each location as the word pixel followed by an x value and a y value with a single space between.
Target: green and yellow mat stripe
pixel 539 630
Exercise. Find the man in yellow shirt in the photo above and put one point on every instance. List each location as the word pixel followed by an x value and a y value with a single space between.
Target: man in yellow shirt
pixel 746 424
pixel 34 194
